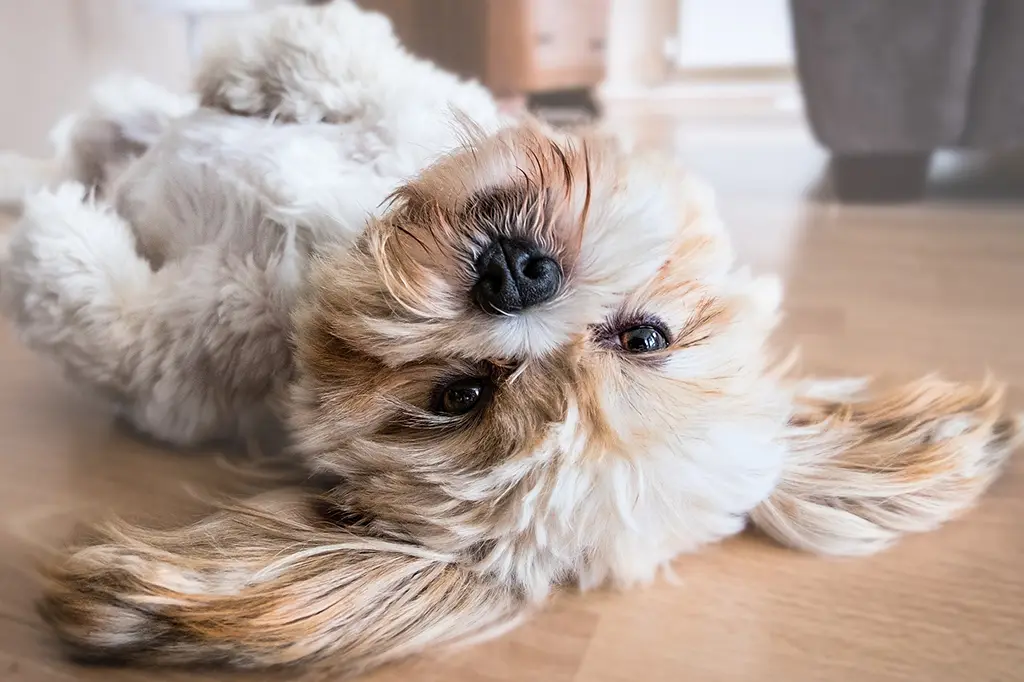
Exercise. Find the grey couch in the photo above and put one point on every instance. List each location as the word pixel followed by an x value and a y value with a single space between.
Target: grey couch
pixel 888 82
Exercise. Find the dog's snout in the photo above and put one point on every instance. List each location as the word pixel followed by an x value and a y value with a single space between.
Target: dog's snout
pixel 513 275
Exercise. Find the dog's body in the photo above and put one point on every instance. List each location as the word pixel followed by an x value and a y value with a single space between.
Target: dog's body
pixel 215 215
pixel 536 365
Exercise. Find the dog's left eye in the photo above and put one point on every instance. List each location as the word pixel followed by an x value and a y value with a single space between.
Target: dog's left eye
pixel 643 339
pixel 460 396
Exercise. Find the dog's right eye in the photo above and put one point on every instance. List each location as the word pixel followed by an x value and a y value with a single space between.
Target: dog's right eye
pixel 643 339
pixel 460 396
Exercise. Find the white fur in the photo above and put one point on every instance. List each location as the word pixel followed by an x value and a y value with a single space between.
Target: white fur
pixel 220 212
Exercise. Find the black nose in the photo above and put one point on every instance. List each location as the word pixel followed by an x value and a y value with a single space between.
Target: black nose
pixel 514 275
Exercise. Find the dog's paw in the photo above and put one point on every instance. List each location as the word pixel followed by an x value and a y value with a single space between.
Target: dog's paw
pixel 298 64
pixel 70 274
pixel 54 215
pixel 68 252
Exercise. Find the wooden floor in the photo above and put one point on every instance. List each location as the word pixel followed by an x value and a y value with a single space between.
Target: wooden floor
pixel 898 291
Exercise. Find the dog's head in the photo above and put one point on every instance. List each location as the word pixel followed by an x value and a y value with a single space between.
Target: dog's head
pixel 535 297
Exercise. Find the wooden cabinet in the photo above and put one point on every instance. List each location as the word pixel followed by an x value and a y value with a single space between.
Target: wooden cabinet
pixel 514 47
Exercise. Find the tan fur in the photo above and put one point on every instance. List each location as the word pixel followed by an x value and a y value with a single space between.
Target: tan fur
pixel 586 465
pixel 868 466
pixel 271 574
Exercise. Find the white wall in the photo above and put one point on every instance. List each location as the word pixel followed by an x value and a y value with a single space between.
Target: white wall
pixel 650 40
pixel 54 50
pixel 733 34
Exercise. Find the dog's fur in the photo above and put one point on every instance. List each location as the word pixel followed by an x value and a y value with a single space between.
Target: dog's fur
pixel 199 248
pixel 585 465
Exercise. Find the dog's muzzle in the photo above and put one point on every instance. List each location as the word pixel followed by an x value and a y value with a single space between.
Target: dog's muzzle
pixel 514 275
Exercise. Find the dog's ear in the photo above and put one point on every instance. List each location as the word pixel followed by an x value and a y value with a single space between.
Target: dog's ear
pixel 265 584
pixel 863 469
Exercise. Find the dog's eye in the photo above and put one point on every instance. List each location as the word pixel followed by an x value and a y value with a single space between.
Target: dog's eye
pixel 460 396
pixel 643 339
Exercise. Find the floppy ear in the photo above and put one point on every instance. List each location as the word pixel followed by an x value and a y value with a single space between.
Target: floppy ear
pixel 865 468
pixel 265 584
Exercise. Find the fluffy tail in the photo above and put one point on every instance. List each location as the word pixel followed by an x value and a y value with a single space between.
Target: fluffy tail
pixel 865 468
pixel 268 584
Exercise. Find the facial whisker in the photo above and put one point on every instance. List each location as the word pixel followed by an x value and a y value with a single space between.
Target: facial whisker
pixel 526 177
pixel 538 164
pixel 518 372
pixel 495 309
pixel 585 213
pixel 566 168
pixel 409 234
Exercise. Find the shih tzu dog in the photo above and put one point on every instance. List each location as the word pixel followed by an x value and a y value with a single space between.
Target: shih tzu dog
pixel 534 366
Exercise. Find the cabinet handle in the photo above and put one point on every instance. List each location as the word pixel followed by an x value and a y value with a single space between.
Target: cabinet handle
pixel 545 38
pixel 597 44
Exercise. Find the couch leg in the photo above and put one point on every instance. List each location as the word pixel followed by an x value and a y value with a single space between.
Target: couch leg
pixel 582 100
pixel 879 178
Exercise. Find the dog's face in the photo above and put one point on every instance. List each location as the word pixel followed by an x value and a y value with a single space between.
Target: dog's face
pixel 535 297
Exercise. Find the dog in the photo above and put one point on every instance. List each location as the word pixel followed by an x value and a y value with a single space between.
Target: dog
pixel 535 367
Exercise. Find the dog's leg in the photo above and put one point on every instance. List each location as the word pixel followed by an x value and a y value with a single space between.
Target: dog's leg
pixel 179 350
pixel 123 117
pixel 336 64
pixel 270 583
pixel 865 468
pixel 298 64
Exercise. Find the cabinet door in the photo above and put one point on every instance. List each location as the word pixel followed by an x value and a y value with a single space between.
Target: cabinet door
pixel 566 39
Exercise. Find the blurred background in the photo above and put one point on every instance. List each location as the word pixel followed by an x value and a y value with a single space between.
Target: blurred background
pixel 880 93
pixel 869 151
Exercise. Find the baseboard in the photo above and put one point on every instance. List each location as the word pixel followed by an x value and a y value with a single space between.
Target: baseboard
pixel 779 72
pixel 778 95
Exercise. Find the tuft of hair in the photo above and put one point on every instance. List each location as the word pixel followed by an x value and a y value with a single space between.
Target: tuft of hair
pixel 865 467
pixel 269 583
